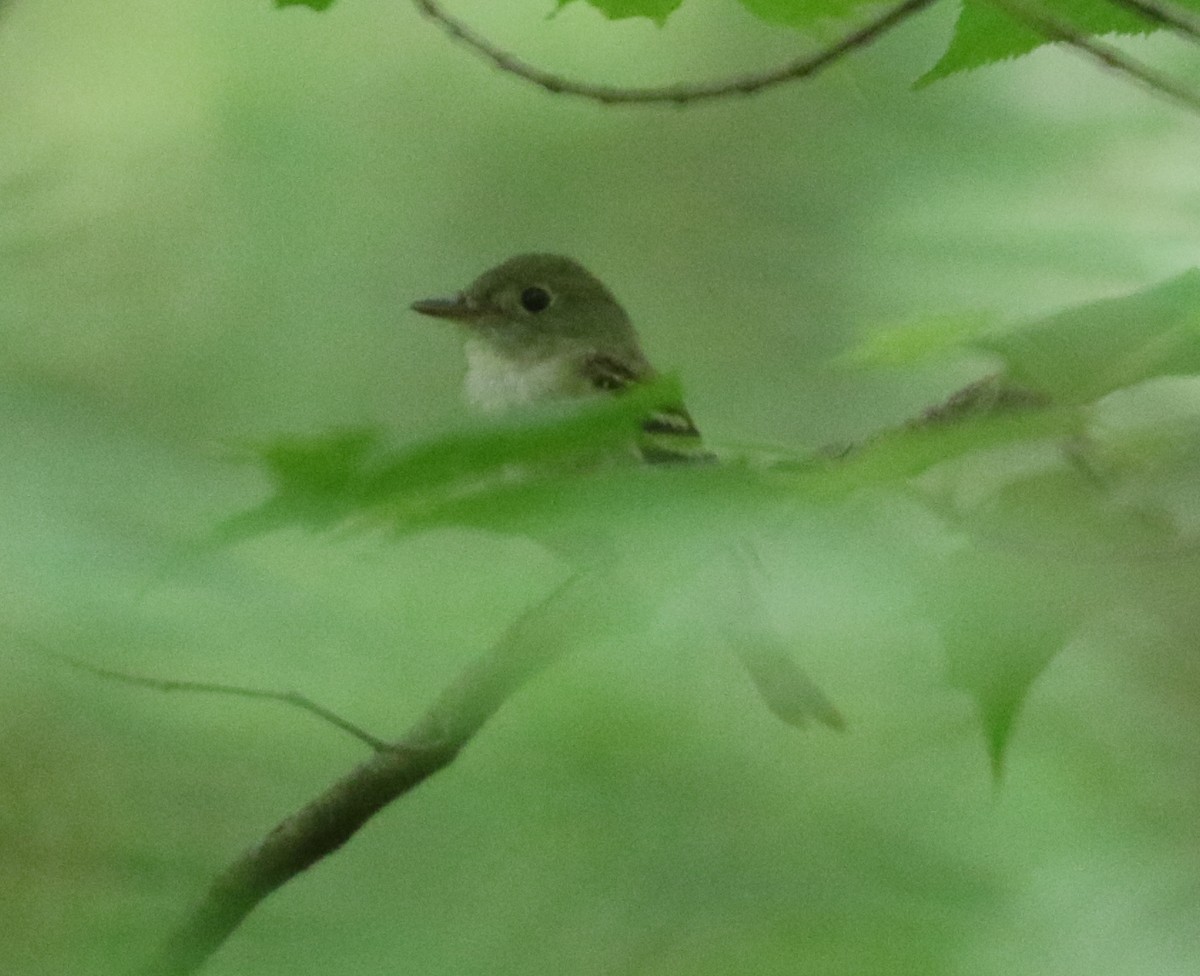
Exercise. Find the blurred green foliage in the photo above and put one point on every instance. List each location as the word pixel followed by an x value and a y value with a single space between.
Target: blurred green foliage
pixel 213 219
pixel 655 10
pixel 528 479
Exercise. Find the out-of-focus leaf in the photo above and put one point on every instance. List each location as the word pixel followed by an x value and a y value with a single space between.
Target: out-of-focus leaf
pixel 1071 357
pixel 920 342
pixel 1002 618
pixel 1044 481
pixel 312 4
pixel 552 475
pixel 802 13
pixel 943 434
pixel 1053 531
pixel 1083 353
pixel 656 10
pixel 1143 446
pixel 357 475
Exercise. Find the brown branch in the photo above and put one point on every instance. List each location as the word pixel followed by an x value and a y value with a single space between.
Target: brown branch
pixel 324 824
pixel 1055 28
pixel 293 698
pixel 678 94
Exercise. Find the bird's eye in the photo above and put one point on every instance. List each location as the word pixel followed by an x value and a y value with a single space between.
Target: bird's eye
pixel 535 299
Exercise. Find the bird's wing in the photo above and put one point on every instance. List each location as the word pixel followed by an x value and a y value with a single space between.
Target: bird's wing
pixel 668 432
pixel 611 375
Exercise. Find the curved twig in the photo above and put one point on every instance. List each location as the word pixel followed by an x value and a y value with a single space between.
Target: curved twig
pixel 293 698
pixel 678 94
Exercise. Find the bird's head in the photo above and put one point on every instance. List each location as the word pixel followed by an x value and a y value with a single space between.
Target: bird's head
pixel 536 305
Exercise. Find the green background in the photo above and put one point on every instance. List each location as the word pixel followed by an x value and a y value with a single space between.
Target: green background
pixel 213 218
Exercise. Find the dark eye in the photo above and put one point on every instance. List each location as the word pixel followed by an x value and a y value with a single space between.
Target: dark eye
pixel 535 299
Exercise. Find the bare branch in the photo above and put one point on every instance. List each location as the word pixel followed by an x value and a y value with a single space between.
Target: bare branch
pixel 992 394
pixel 293 698
pixel 1055 28
pixel 324 824
pixel 678 94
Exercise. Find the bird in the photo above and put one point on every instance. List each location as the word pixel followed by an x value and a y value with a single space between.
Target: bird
pixel 540 328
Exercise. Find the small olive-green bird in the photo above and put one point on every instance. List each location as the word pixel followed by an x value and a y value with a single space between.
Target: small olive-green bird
pixel 539 328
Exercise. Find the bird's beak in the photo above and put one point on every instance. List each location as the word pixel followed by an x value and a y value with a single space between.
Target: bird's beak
pixel 460 308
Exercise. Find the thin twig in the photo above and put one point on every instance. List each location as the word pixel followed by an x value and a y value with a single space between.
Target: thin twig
pixel 1055 28
pixel 293 698
pixel 678 94
pixel 1168 14
pixel 320 827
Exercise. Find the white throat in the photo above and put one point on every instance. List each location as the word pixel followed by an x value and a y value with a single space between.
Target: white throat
pixel 495 383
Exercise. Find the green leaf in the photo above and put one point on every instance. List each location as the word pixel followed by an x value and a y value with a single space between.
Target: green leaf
pixel 318 481
pixel 1071 357
pixel 1087 352
pixel 1002 617
pixel 985 34
pixel 656 10
pixel 1054 536
pixel 311 4
pixel 322 481
pixel 897 456
pixel 802 13
pixel 926 340
pixel 1143 447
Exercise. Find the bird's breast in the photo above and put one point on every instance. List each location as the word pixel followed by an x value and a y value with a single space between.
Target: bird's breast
pixel 496 382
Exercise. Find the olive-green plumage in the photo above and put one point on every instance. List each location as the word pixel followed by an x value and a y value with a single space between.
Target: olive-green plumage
pixel 540 327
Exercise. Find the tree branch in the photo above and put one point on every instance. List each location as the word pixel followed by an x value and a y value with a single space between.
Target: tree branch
pixel 679 94
pixel 324 824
